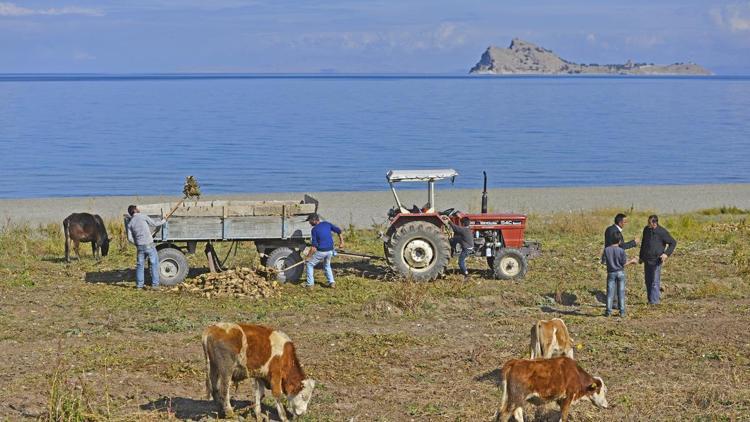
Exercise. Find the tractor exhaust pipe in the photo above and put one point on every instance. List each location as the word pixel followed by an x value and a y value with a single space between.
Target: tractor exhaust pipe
pixel 484 194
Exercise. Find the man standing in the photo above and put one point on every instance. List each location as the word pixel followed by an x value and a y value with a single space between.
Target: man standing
pixel 462 236
pixel 616 260
pixel 656 246
pixel 615 230
pixel 139 233
pixel 322 249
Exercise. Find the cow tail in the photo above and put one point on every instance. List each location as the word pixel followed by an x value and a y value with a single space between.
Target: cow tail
pixel 209 387
pixel 554 345
pixel 536 341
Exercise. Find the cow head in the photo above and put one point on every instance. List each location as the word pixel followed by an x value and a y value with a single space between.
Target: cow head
pixel 597 393
pixel 298 402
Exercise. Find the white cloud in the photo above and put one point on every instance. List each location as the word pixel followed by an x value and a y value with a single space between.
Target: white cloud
pixel 644 40
pixel 442 37
pixel 734 17
pixel 10 9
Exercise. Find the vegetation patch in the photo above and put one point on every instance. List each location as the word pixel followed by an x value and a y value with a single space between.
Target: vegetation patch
pixel 382 348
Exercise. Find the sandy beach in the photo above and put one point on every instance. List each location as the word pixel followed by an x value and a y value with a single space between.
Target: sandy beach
pixel 363 209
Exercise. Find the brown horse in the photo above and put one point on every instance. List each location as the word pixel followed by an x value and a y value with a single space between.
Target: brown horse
pixel 84 227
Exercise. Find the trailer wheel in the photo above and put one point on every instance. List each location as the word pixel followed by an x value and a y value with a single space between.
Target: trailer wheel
pixel 509 264
pixel 264 257
pixel 282 258
pixel 173 266
pixel 419 250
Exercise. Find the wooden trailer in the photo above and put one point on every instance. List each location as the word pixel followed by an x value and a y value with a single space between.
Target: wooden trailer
pixel 279 230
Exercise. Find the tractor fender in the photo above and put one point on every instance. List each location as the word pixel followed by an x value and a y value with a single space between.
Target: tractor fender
pixel 402 219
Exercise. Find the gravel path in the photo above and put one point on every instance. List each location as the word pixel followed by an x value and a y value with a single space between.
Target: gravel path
pixel 362 209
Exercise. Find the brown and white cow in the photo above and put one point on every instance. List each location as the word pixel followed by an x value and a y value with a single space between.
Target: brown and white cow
pixel 235 352
pixel 550 338
pixel 558 379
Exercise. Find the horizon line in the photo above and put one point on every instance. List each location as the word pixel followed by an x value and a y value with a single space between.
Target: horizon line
pixel 41 76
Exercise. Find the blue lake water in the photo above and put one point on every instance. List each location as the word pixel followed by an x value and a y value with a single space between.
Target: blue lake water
pixel 80 135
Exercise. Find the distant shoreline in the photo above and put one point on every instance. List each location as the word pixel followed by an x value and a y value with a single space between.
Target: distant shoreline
pixel 363 209
pixel 74 77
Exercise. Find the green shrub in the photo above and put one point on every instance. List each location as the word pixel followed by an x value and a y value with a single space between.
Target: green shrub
pixel 724 209
pixel 410 296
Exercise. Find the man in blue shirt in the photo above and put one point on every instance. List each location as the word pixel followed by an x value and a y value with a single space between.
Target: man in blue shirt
pixel 322 248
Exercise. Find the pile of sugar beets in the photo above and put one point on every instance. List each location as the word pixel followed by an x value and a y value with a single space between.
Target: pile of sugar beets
pixel 238 282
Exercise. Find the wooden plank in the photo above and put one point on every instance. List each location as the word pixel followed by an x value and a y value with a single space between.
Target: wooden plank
pixel 195 228
pixel 233 208
pixel 261 227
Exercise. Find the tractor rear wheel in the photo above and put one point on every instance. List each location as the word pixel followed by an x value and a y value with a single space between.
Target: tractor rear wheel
pixel 509 264
pixel 418 250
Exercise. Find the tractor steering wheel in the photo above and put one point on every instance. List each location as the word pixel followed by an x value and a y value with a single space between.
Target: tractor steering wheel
pixel 449 212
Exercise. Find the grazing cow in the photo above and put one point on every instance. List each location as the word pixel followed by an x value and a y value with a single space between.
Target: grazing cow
pixel 559 379
pixel 550 339
pixel 84 227
pixel 238 351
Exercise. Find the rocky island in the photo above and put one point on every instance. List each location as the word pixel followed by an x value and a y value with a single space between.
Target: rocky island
pixel 523 57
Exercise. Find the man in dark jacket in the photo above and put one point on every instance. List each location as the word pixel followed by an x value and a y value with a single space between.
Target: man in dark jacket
pixel 614 232
pixel 462 235
pixel 656 246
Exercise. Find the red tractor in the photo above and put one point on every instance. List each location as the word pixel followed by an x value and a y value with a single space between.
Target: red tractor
pixel 417 243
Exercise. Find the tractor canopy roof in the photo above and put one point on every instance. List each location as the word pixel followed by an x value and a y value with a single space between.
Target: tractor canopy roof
pixel 420 175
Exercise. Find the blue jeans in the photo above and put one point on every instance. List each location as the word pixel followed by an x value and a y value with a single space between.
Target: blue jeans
pixel 652 273
pixel 153 259
pixel 616 280
pixel 314 260
pixel 462 260
pixel 462 256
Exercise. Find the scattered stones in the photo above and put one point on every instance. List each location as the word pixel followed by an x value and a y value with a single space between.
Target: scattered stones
pixel 239 282
pixel 381 308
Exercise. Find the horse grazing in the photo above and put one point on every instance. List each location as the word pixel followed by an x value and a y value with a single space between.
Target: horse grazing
pixel 84 227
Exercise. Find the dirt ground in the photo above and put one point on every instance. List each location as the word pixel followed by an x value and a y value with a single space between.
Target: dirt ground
pixel 78 340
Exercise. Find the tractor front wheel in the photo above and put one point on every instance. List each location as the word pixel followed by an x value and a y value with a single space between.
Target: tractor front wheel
pixel 418 250
pixel 509 264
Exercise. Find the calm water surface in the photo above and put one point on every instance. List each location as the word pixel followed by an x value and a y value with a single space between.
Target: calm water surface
pixel 126 135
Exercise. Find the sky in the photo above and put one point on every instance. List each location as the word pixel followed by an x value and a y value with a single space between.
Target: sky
pixel 383 36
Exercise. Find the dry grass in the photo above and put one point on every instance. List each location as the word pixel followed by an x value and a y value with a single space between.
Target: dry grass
pixel 79 343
